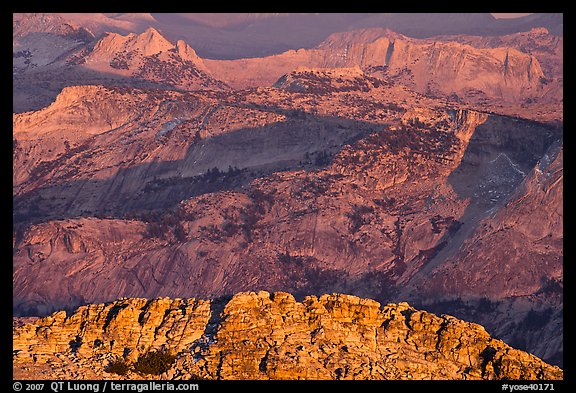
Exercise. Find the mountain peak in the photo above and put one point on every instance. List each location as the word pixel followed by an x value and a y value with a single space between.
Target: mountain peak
pixel 151 31
pixel 152 42
pixel 148 43
pixel 186 52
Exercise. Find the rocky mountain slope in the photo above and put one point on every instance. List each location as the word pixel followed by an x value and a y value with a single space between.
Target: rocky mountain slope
pixel 39 40
pixel 302 200
pixel 465 69
pixel 154 138
pixel 146 59
pixel 531 226
pixel 527 232
pixel 269 336
pixel 241 35
pixel 427 66
pixel 540 43
pixel 350 200
pixel 151 178
pixel 150 57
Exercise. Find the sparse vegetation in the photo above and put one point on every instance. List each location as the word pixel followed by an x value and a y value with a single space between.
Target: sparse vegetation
pixel 544 80
pixel 118 366
pixel 321 280
pixel 167 226
pixel 385 203
pixel 180 232
pixel 119 64
pixel 485 305
pixel 291 260
pixel 149 363
pixel 359 216
pixel 154 362
pixel 312 186
pixel 536 320
pixel 75 344
pixel 212 233
pixel 551 286
pixel 322 158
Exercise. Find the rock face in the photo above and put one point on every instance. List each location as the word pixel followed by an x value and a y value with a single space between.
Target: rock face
pixel 344 183
pixel 547 48
pixel 331 223
pixel 135 325
pixel 539 42
pixel 527 231
pixel 272 336
pixel 152 58
pixel 145 60
pixel 131 140
pixel 428 66
pixel 530 224
pixel 327 80
pixel 242 35
pixel 367 179
pixel 40 39
pixel 468 68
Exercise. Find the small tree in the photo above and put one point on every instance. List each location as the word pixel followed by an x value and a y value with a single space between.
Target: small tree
pixel 118 366
pixel 154 362
pixel 180 232
pixel 197 138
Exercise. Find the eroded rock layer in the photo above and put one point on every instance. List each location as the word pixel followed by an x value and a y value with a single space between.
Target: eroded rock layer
pixel 270 336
